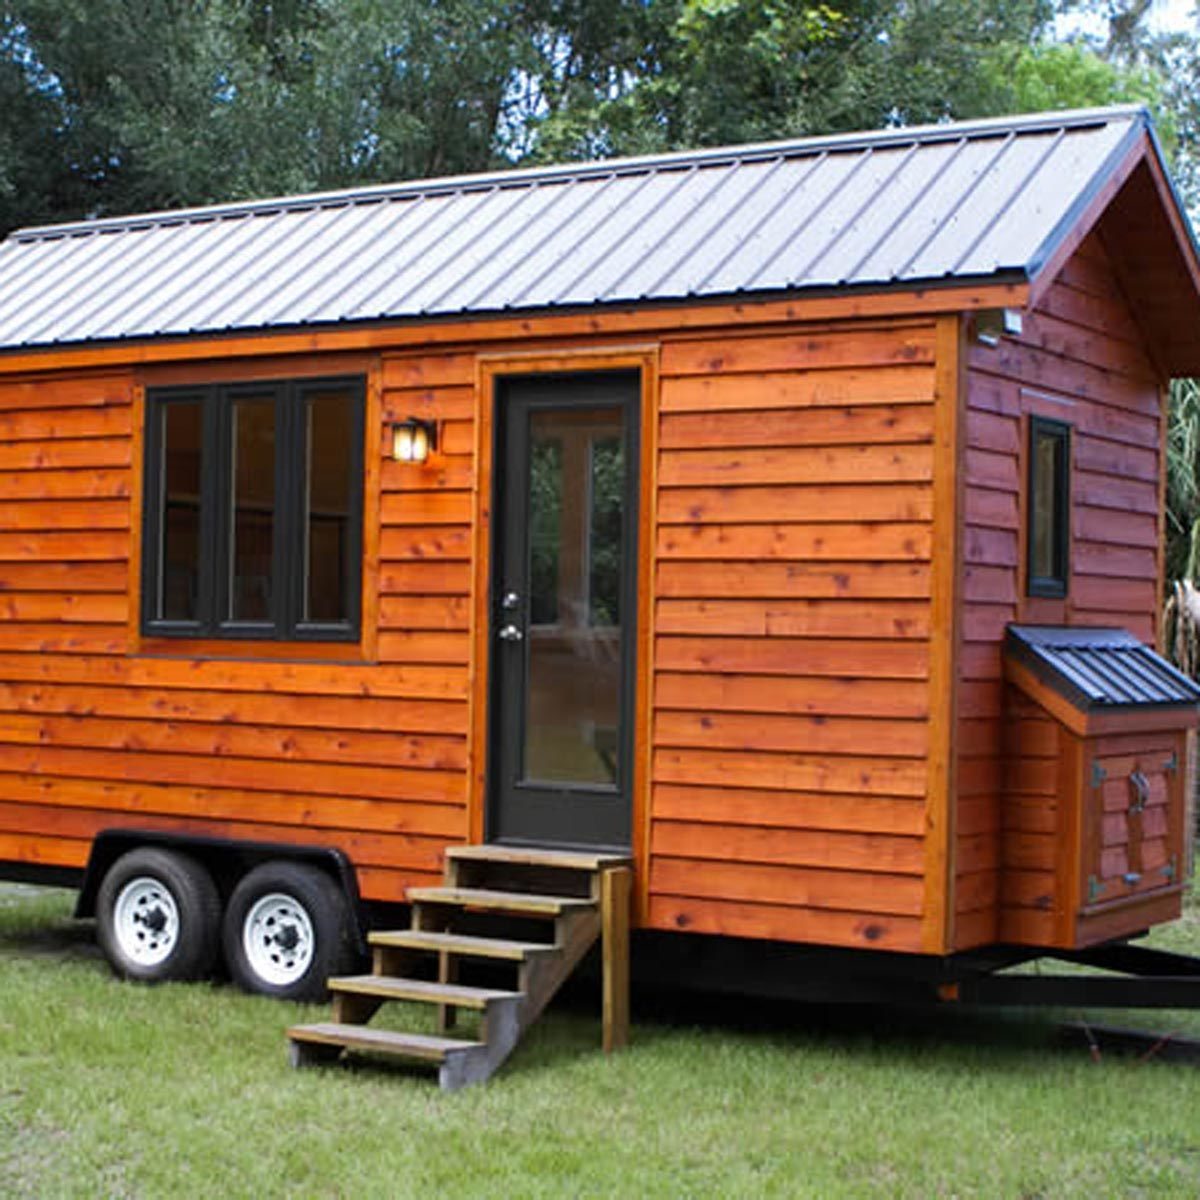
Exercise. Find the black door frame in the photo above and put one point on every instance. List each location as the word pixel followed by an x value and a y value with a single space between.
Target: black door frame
pixel 557 815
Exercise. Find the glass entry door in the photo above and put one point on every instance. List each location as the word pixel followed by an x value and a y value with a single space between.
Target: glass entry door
pixel 564 607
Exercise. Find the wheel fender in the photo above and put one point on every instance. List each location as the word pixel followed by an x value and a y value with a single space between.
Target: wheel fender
pixel 228 860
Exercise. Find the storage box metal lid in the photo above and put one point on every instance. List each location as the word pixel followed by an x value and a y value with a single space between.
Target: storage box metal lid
pixel 1099 668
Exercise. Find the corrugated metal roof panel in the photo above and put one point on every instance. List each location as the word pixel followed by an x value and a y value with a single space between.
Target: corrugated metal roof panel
pixel 1099 668
pixel 898 207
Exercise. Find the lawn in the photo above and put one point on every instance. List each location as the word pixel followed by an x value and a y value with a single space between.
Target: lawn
pixel 108 1089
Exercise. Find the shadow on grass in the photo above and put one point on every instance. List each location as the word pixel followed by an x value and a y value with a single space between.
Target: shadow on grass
pixel 1011 1039
pixel 36 923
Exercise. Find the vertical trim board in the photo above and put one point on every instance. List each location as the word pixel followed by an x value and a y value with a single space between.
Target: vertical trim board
pixel 937 929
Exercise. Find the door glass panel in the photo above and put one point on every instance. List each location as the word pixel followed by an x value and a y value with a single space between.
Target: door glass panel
pixel 576 562
pixel 327 507
pixel 253 509
pixel 545 528
pixel 178 586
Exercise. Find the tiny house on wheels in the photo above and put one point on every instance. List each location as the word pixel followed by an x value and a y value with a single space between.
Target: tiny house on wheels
pixel 763 541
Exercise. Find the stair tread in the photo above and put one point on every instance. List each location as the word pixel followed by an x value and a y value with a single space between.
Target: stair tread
pixel 404 1045
pixel 419 989
pixel 573 860
pixel 506 901
pixel 459 943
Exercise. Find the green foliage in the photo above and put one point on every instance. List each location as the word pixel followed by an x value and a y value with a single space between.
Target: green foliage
pixel 1073 75
pixel 156 103
pixel 738 70
pixel 118 105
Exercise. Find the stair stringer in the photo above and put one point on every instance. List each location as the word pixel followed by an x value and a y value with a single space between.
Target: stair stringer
pixel 507 1021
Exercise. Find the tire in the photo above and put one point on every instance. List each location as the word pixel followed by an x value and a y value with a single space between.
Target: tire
pixel 158 916
pixel 286 931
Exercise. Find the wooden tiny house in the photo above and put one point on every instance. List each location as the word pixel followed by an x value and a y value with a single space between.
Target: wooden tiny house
pixel 740 463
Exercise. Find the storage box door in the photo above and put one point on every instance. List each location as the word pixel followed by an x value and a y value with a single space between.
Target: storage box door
pixel 1133 843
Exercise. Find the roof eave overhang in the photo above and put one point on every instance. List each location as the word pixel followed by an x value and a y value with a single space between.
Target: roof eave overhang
pixel 1175 355
pixel 1004 289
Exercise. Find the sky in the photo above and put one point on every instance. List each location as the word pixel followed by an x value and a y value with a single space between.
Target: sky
pixel 1166 16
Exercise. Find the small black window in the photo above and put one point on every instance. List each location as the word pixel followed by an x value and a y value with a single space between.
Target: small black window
pixel 1049 528
pixel 253 512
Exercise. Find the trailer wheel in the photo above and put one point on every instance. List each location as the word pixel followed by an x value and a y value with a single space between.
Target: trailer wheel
pixel 158 916
pixel 286 931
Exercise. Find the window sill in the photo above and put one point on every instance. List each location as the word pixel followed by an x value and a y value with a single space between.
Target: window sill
pixel 255 651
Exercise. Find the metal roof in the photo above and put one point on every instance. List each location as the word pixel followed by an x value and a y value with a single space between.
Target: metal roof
pixel 1099 668
pixel 901 207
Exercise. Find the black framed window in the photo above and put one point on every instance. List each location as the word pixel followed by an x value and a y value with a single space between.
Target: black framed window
pixel 1048 535
pixel 253 510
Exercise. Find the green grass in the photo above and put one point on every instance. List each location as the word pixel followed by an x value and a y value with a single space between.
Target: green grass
pixel 108 1089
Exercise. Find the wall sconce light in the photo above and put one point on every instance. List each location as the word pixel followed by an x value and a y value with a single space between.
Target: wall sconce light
pixel 413 440
pixel 992 324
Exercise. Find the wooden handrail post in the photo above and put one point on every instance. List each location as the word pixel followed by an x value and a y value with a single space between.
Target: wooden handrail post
pixel 615 889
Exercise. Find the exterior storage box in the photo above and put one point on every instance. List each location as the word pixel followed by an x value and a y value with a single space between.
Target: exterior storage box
pixel 1096 807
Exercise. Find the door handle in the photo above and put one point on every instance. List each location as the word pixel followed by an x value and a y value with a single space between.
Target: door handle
pixel 510 633
pixel 1139 785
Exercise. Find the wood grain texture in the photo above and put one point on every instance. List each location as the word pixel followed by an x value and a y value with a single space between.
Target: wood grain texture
pixel 100 727
pixel 791 677
pixel 945 620
pixel 793 629
pixel 1082 359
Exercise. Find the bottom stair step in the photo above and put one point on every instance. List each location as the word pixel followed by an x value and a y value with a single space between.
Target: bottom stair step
pixel 390 987
pixel 419 1046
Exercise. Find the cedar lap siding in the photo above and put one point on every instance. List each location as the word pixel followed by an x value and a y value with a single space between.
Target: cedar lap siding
pixel 831 519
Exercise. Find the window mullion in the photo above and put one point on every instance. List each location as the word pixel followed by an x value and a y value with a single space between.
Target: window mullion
pixel 288 499
pixel 214 494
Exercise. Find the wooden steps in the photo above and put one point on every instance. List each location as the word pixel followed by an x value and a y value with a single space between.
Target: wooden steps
pixel 569 860
pixel 483 900
pixel 363 1037
pixel 420 990
pixel 493 885
pixel 460 944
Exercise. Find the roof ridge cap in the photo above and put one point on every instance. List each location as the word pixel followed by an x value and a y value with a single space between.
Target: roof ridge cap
pixel 598 168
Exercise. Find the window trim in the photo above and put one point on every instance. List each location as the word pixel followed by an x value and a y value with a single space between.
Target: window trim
pixel 217 401
pixel 1053 586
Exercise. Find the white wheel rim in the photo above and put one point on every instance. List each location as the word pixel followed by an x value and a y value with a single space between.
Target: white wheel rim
pixel 146 921
pixel 278 939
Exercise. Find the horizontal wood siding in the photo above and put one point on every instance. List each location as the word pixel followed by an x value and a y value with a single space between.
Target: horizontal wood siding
pixel 1080 359
pixel 791 635
pixel 1034 833
pixel 368 757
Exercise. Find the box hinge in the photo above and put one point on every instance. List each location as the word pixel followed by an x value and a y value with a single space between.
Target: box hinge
pixel 1095 888
pixel 1099 774
pixel 1172 763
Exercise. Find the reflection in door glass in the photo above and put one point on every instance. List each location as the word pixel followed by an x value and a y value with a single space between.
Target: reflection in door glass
pixel 576 559
pixel 545 523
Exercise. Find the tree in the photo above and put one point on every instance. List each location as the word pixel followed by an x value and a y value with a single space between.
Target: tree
pixel 121 105
pixel 703 72
pixel 157 103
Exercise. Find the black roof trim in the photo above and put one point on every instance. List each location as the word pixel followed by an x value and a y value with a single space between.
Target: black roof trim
pixel 1099 668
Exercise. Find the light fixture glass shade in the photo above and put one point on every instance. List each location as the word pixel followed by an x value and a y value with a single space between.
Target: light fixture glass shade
pixel 412 441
